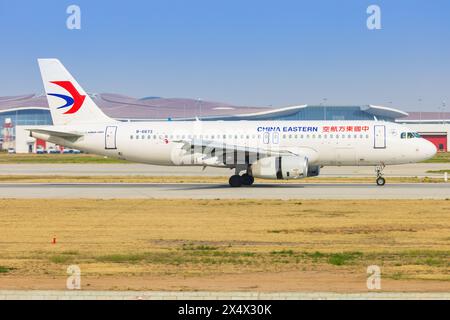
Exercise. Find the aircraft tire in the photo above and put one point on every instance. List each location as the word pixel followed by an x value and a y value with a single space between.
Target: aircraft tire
pixel 247 180
pixel 381 181
pixel 235 181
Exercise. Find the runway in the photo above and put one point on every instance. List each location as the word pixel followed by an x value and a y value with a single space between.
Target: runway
pixel 213 295
pixel 134 169
pixel 223 191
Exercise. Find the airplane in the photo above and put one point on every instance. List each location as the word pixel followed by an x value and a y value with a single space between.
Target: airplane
pixel 254 149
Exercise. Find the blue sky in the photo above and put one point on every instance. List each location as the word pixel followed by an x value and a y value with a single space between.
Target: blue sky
pixel 241 52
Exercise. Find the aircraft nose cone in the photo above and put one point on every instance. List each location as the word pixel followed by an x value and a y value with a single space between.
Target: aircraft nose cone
pixel 429 149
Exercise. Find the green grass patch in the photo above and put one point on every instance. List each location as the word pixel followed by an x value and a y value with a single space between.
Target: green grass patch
pixel 70 252
pixel 199 247
pixel 61 258
pixel 56 158
pixel 339 259
pixel 283 252
pixel 122 258
pixel 439 171
pixel 5 269
pixel 441 157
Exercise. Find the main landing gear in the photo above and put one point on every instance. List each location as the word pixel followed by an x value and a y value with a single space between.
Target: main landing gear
pixel 245 180
pixel 380 180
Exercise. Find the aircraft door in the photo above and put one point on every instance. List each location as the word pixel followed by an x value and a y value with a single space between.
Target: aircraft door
pixel 275 138
pixel 266 137
pixel 379 137
pixel 110 138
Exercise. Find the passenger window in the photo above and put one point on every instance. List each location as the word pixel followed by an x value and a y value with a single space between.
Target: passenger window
pixel 131 137
pixel 403 135
pixel 410 135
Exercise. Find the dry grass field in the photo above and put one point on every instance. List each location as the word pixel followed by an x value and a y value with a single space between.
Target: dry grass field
pixel 225 244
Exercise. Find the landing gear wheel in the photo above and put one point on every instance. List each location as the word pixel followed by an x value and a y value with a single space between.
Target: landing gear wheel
pixel 379 171
pixel 381 181
pixel 235 181
pixel 247 180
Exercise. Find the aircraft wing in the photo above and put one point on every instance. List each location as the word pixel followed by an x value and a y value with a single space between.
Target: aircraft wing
pixel 229 153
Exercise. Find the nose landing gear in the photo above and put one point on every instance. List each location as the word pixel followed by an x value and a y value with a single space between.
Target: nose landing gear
pixel 379 170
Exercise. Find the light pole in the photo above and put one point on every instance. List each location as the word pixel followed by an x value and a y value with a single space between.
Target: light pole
pixel 442 111
pixel 324 106
pixel 420 106
pixel 199 101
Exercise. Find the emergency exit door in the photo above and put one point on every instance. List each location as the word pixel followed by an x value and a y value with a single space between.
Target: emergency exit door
pixel 379 137
pixel 110 138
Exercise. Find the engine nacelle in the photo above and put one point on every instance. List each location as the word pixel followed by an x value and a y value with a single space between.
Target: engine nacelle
pixel 287 167
pixel 313 171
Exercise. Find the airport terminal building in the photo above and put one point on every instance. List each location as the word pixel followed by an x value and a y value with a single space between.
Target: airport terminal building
pixel 18 112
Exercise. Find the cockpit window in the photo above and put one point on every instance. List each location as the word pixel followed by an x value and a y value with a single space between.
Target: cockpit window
pixel 409 135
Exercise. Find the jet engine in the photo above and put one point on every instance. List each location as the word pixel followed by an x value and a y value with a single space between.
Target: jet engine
pixel 286 167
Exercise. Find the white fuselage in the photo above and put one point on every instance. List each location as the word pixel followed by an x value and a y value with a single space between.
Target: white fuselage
pixel 345 143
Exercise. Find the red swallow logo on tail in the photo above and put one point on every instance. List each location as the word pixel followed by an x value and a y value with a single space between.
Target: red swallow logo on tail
pixel 74 101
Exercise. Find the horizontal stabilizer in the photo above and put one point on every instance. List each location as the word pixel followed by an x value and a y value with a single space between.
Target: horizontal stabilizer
pixel 59 134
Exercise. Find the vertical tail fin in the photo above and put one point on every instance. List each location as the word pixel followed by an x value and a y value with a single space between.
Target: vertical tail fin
pixel 68 102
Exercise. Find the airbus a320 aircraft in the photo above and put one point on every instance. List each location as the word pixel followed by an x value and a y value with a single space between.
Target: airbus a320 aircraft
pixel 257 149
